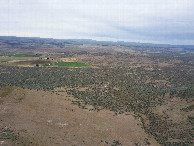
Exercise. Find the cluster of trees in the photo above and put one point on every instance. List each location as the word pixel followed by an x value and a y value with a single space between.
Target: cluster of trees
pixel 117 89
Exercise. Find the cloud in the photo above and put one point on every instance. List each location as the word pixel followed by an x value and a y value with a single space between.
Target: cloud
pixel 168 21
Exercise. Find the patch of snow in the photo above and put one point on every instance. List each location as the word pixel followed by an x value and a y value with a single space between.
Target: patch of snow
pixel 49 121
pixel 62 124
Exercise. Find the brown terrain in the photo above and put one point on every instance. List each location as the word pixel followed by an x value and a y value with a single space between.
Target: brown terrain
pixel 129 95
pixel 30 117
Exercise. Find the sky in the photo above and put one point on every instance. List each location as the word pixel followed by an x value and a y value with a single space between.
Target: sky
pixel 146 21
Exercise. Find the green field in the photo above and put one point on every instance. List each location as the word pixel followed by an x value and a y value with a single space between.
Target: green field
pixel 71 64
pixel 18 55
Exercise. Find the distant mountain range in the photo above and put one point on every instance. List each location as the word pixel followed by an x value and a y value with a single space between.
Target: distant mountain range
pixel 90 41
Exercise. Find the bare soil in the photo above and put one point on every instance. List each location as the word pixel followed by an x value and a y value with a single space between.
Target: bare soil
pixel 31 62
pixel 49 118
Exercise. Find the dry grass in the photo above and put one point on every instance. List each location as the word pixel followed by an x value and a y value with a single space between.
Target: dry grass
pixel 46 118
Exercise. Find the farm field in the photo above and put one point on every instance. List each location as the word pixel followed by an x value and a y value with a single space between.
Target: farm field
pixel 30 59
pixel 18 55
pixel 78 92
pixel 71 64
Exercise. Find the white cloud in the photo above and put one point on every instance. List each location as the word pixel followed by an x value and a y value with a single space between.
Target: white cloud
pixel 148 20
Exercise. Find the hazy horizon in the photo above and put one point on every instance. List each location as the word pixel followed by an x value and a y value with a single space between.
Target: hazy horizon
pixel 151 21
